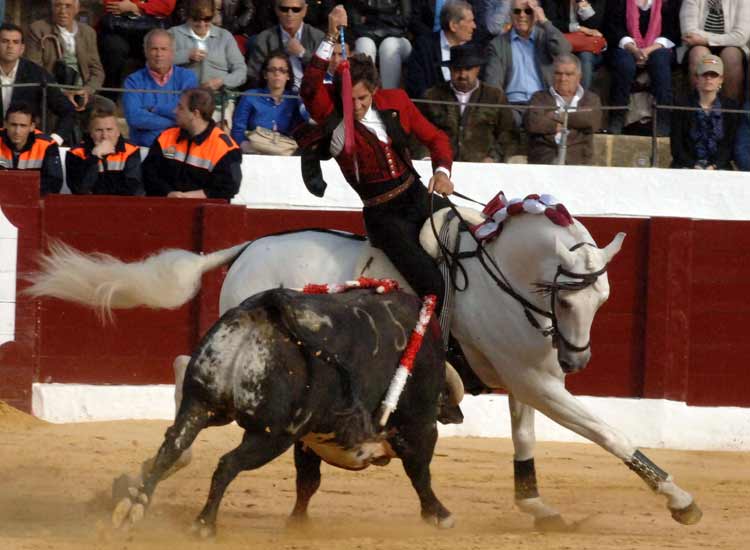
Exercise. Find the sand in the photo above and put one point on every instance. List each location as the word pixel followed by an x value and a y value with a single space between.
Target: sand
pixel 55 482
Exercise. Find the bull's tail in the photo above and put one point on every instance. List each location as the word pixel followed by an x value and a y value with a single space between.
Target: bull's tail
pixel 167 279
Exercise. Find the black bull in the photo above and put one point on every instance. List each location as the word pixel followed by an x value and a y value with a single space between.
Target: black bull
pixel 309 371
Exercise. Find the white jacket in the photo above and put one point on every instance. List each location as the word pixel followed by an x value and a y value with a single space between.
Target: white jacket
pixel 736 22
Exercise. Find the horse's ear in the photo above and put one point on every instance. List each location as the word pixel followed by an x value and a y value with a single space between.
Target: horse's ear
pixel 567 258
pixel 614 247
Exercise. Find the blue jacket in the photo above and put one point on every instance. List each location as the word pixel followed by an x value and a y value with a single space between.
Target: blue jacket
pixel 253 111
pixel 148 114
pixel 742 142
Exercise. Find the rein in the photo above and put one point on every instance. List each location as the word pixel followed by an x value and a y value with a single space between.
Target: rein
pixel 497 275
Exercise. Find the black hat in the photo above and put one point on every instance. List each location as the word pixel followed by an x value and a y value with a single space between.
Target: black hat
pixel 466 56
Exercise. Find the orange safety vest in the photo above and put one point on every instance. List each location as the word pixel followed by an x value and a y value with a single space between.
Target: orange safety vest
pixel 111 163
pixel 205 155
pixel 28 159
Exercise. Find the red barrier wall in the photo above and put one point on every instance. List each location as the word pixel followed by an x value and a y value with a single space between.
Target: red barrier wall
pixel 672 328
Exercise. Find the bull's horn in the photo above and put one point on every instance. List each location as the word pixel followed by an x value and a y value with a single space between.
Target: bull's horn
pixel 455 385
pixel 614 247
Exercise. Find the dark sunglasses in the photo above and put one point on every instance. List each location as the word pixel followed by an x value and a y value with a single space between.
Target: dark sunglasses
pixel 518 11
pixel 287 9
pixel 206 19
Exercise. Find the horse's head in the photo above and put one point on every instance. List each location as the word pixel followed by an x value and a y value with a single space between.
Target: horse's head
pixel 577 290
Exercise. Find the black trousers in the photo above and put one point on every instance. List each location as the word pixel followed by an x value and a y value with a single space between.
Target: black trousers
pixel 394 228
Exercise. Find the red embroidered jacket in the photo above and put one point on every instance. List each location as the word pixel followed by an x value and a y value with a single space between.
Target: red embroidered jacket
pixel 377 162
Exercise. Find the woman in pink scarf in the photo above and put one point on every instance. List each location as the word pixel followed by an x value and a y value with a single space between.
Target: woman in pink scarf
pixel 641 34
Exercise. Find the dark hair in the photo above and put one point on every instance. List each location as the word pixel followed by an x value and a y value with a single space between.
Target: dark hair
pixel 12 27
pixel 362 69
pixel 453 12
pixel 197 8
pixel 276 54
pixel 201 100
pixel 23 107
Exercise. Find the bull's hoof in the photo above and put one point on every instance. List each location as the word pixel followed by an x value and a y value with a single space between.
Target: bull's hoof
pixel 444 522
pixel 203 530
pixel 689 515
pixel 551 523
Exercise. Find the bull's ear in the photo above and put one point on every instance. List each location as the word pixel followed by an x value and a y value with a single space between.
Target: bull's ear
pixel 567 258
pixel 614 247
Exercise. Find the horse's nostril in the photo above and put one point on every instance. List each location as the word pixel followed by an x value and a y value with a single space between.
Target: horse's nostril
pixel 566 367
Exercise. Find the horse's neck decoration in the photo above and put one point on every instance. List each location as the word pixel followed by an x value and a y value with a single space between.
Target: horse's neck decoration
pixel 499 209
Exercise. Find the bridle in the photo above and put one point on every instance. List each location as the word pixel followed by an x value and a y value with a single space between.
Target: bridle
pixel 580 280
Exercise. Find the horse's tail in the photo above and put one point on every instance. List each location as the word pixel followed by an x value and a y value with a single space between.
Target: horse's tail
pixel 167 279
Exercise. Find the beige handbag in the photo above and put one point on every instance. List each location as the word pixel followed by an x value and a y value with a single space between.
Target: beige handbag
pixel 267 142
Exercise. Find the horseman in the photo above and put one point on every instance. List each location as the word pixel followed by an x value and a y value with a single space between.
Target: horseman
pixel 378 166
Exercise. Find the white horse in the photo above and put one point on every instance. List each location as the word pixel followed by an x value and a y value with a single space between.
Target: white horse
pixel 513 337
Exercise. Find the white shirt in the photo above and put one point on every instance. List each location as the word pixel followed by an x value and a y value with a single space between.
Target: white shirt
pixel 562 104
pixel 68 37
pixel 445 55
pixel 8 78
pixel 295 60
pixel 463 97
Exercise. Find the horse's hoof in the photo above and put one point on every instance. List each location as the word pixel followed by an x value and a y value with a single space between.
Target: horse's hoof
pixel 121 512
pixel 203 530
pixel 689 515
pixel 551 523
pixel 446 522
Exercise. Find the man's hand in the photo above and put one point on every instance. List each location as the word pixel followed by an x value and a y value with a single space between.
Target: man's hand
pixel 539 16
pixel 337 18
pixel 694 39
pixel 73 94
pixel 196 54
pixel 294 47
pixel 121 8
pixel 589 32
pixel 440 183
pixel 213 84
pixel 103 148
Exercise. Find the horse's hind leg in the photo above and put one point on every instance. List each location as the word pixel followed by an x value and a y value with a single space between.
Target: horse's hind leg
pixel 191 420
pixel 559 405
pixel 307 464
pixel 256 449
pixel 415 445
pixel 524 472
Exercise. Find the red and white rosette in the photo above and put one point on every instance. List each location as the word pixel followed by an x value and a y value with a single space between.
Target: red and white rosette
pixel 500 209
pixel 406 365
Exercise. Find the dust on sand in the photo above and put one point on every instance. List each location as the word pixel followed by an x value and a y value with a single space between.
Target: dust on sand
pixel 55 482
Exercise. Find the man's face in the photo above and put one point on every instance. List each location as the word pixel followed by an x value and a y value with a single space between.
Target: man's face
pixel 183 115
pixel 522 17
pixel 362 98
pixel 290 14
pixel 464 79
pixel 464 29
pixel 159 54
pixel 336 58
pixel 104 129
pixel 64 11
pixel 567 78
pixel 11 46
pixel 19 126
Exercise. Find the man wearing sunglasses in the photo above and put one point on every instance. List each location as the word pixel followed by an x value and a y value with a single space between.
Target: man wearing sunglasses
pixel 520 61
pixel 291 35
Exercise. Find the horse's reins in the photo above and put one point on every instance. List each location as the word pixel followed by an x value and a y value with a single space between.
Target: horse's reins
pixel 454 259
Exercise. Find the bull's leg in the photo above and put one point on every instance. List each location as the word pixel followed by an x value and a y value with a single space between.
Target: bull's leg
pixel 308 480
pixel 255 450
pixel 123 485
pixel 524 472
pixel 415 446
pixel 558 404
pixel 191 420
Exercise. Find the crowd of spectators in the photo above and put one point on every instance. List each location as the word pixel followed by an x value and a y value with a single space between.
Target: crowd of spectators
pixel 498 76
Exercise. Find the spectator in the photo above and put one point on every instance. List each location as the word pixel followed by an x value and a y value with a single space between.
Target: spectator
pixel 276 113
pixel 641 34
pixel 210 52
pixel 380 28
pixel 337 56
pixel 63 44
pixel 122 32
pixel 580 16
pixel 476 133
pixel 291 35
pixel 236 16
pixel 720 27
pixel 424 68
pixel 16 70
pixel 545 122
pixel 520 60
pixel 150 113
pixel 705 138
pixel 23 147
pixel 104 163
pixel 425 18
pixel 317 13
pixel 497 16
pixel 195 159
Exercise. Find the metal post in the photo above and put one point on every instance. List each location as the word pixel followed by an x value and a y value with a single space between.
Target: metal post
pixel 44 106
pixel 654 129
pixel 562 149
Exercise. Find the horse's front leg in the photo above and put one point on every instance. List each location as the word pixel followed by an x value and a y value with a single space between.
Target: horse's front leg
pixel 527 497
pixel 552 399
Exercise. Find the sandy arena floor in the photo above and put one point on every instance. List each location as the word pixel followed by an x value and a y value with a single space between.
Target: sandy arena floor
pixel 55 481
